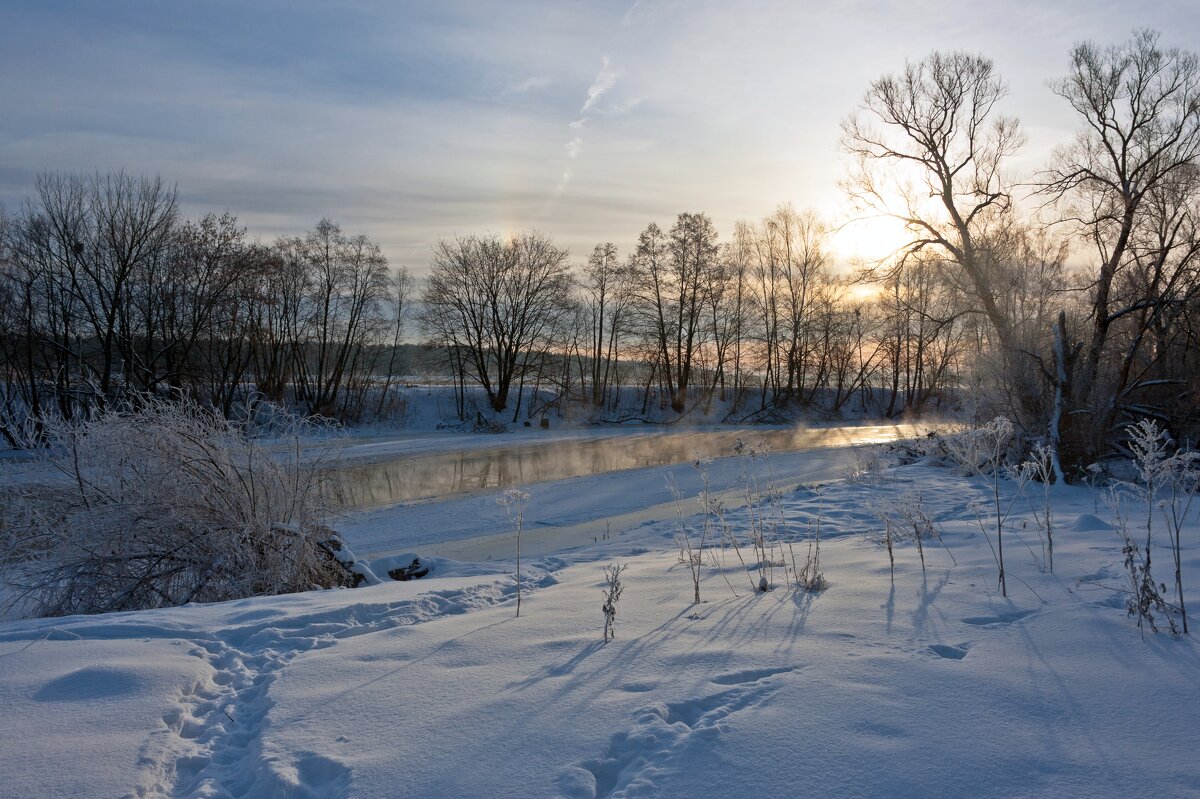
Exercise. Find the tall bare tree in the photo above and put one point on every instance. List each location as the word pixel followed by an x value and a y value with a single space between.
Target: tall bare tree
pixel 1126 182
pixel 496 302
pixel 606 290
pixel 676 275
pixel 930 150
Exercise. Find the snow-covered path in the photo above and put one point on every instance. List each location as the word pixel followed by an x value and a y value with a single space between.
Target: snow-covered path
pixel 209 741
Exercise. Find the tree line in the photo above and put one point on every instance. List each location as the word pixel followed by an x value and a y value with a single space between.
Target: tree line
pixel 684 320
pixel 106 292
pixel 1068 298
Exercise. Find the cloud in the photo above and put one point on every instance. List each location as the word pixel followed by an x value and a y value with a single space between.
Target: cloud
pixel 605 79
pixel 559 188
pixel 527 85
pixel 627 19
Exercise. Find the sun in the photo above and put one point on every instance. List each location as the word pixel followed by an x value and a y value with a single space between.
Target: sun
pixel 870 239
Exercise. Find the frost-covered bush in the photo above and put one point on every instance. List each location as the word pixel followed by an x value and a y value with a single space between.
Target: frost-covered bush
pixel 811 576
pixel 163 505
pixel 871 466
pixel 764 514
pixel 1041 467
pixel 981 450
pixel 984 451
pixel 691 543
pixel 1166 485
pixel 906 518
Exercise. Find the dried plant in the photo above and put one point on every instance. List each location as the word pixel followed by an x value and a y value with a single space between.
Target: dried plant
pixel 613 588
pixel 514 501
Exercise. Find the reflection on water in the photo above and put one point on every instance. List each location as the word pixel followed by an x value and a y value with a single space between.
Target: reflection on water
pixel 440 475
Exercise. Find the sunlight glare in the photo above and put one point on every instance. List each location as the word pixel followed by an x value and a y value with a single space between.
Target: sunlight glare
pixel 870 239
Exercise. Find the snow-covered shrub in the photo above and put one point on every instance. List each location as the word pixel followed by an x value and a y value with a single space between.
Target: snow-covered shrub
pixel 691 545
pixel 764 513
pixel 908 519
pixel 1145 596
pixel 712 504
pixel 889 540
pixel 163 505
pixel 1040 466
pixel 1166 485
pixel 870 466
pixel 613 588
pixel 811 576
pixel 981 450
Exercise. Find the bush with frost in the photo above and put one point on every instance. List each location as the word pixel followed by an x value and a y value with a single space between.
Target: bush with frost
pixel 984 451
pixel 1040 467
pixel 981 450
pixel 907 518
pixel 811 576
pixel 164 504
pixel 764 512
pixel 1165 487
pixel 871 466
pixel 692 543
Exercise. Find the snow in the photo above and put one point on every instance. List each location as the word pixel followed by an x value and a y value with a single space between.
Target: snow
pixel 933 685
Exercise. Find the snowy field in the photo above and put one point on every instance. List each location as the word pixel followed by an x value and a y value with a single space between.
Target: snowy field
pixel 931 685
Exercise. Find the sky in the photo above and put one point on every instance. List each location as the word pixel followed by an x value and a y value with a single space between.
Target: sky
pixel 582 119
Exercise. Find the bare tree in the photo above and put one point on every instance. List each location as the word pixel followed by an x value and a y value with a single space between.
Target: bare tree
pixel 930 150
pixel 76 254
pixel 178 300
pixel 606 293
pixel 676 276
pixel 344 283
pixel 1127 182
pixel 497 302
pixel 401 291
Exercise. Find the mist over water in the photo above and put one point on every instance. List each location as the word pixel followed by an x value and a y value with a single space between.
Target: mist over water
pixel 432 477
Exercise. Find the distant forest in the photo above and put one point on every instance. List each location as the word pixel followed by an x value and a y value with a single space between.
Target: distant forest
pixel 1068 299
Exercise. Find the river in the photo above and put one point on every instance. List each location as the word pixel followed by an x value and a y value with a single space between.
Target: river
pixel 441 475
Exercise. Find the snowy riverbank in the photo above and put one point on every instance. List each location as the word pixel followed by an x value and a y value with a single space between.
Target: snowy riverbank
pixel 930 686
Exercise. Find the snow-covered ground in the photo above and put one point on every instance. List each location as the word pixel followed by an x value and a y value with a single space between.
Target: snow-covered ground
pixel 931 685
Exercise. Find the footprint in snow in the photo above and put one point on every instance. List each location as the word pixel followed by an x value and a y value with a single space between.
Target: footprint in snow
pixel 210 743
pixel 659 742
pixel 1112 601
pixel 752 675
pixel 951 651
pixel 638 687
pixel 321 776
pixel 1004 617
